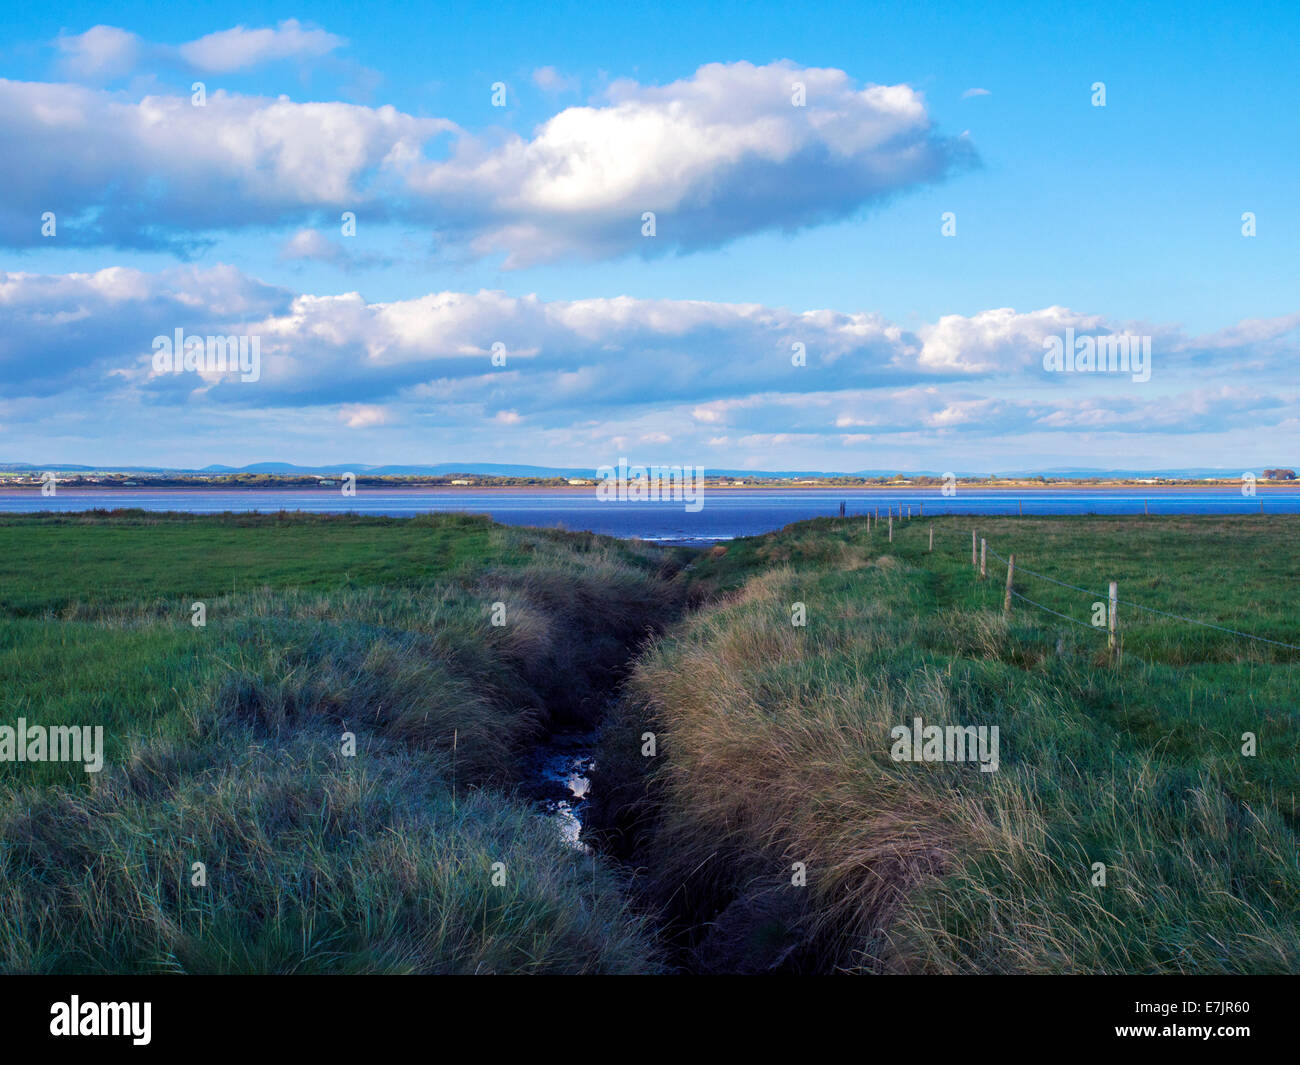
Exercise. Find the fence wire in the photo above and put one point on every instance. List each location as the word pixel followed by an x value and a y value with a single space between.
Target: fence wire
pixel 1127 602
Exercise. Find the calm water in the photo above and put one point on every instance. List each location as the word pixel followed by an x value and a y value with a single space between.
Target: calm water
pixel 726 513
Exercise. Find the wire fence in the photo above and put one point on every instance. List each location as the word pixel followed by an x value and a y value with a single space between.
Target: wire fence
pixel 1101 597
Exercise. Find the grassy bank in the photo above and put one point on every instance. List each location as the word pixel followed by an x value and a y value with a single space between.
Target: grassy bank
pixel 773 747
pixel 226 744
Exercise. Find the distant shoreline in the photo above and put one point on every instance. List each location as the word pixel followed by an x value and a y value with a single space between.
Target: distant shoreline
pixel 983 486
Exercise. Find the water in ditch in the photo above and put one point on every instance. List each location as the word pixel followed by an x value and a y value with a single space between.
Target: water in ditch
pixel 558 779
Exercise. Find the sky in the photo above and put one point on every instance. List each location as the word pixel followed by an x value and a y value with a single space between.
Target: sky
pixel 749 235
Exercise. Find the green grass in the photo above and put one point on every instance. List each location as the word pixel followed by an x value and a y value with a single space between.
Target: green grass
pixel 224 746
pixel 225 743
pixel 131 557
pixel 774 749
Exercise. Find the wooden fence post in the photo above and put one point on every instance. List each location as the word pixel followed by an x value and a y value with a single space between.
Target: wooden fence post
pixel 1112 620
pixel 972 550
pixel 891 526
pixel 921 512
pixel 841 508
pixel 1021 502
pixel 1006 599
pixel 983 546
pixel 931 537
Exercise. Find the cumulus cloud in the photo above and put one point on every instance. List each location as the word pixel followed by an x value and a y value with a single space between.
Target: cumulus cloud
pixel 998 340
pixel 156 173
pixel 650 371
pixel 95 330
pixel 716 156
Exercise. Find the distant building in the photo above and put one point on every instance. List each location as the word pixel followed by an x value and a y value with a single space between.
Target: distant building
pixel 462 481
pixel 326 483
pixel 579 480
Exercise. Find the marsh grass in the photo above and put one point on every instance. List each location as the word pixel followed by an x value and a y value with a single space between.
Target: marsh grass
pixel 774 749
pixel 224 743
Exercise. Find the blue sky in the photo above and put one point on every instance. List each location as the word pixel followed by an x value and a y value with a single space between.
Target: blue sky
pixel 520 225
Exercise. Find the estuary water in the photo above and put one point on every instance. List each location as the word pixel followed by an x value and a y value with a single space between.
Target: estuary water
pixel 726 512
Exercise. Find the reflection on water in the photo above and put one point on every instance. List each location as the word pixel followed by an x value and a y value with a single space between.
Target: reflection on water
pixel 558 778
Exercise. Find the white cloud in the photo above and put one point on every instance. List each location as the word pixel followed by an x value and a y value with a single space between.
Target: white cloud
pixel 997 340
pixel 548 79
pixel 716 156
pixel 363 416
pixel 689 373
pixel 102 52
pixel 240 47
pixel 159 171
pixel 975 92
pixel 310 244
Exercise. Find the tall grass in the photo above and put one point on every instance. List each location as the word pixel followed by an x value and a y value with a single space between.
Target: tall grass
pixel 774 749
pixel 226 744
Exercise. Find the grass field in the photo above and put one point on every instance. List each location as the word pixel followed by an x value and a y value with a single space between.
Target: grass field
pixel 225 743
pixel 774 748
pixel 771 759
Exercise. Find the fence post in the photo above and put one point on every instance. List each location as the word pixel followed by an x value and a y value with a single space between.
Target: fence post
pixel 909 510
pixel 891 526
pixel 972 549
pixel 841 508
pixel 983 546
pixel 921 513
pixel 1112 620
pixel 1006 599
pixel 931 537
pixel 1021 502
